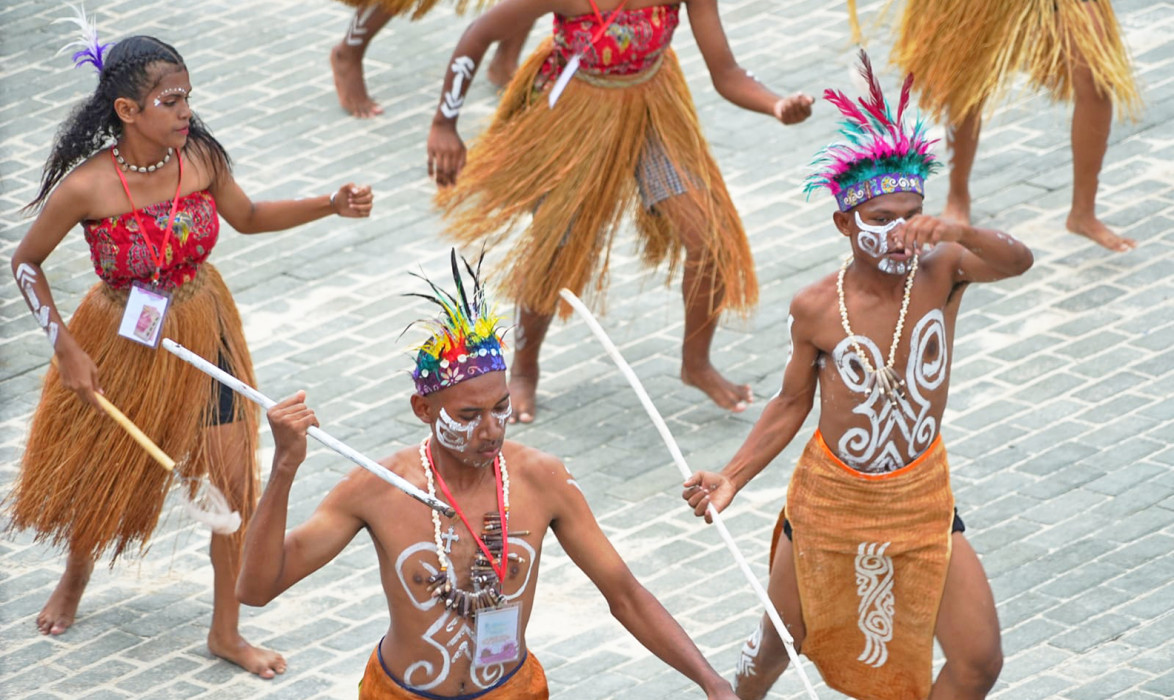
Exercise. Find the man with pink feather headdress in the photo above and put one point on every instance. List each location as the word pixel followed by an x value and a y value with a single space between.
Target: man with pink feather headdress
pixel 869 560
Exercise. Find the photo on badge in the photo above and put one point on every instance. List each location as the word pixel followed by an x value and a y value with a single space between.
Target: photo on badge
pixel 142 320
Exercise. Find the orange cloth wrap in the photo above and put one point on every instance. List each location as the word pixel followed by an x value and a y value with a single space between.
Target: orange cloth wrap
pixel 871 554
pixel 527 683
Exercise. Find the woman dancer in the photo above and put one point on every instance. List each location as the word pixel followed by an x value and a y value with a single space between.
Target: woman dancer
pixel 148 206
pixel 596 123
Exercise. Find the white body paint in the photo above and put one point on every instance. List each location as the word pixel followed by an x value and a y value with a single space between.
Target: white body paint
pixel 874 449
pixel 358 28
pixel 749 654
pixel 169 91
pixel 450 635
pixel 874 585
pixel 454 434
pixel 874 240
pixel 26 279
pixel 790 351
pixel 462 69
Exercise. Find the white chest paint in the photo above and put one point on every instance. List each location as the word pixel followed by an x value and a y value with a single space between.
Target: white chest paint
pixel 450 635
pixel 875 449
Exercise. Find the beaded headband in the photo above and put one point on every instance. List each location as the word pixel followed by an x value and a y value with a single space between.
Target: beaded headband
pixel 879 155
pixel 465 342
pixel 91 50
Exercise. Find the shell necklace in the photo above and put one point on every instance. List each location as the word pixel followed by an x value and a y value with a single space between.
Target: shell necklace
pixel 486 576
pixel 140 168
pixel 886 377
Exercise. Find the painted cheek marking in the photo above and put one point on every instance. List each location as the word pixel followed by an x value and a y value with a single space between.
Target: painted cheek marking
pixel 26 279
pixel 452 433
pixel 874 240
pixel 462 69
pixel 502 416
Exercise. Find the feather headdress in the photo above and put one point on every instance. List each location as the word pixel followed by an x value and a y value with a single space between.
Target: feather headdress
pixel 91 50
pixel 879 155
pixel 464 342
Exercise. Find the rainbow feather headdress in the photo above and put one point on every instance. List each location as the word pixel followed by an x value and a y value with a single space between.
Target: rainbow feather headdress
pixel 879 155
pixel 464 342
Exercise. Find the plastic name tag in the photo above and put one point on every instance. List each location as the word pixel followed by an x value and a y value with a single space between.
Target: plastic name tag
pixel 142 320
pixel 497 636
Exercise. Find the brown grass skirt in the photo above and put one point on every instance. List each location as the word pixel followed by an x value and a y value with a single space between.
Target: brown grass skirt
pixel 573 169
pixel 964 53
pixel 417 8
pixel 83 481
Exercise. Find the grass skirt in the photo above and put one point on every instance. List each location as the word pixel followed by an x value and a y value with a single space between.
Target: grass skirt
pixel 964 53
pixel 417 8
pixel 83 481
pixel 573 168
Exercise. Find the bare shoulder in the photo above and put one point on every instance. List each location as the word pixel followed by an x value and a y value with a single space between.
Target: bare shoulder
pixel 87 184
pixel 360 486
pixel 813 301
pixel 533 464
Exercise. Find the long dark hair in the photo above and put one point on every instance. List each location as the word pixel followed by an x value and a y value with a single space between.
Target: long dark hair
pixel 126 72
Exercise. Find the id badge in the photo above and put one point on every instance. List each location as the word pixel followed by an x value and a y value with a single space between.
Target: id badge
pixel 497 636
pixel 142 320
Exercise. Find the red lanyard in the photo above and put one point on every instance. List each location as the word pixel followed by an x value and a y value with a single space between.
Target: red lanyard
pixel 156 254
pixel 604 24
pixel 498 568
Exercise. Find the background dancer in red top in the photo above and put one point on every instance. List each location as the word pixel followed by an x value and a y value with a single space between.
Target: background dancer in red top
pixel 148 205
pixel 346 58
pixel 597 123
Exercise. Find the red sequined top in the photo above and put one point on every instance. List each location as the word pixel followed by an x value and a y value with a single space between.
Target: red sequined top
pixel 633 41
pixel 120 254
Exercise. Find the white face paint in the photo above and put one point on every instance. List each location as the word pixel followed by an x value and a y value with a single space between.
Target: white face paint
pixel 450 636
pixel 748 658
pixel 874 240
pixel 454 99
pixel 875 449
pixel 169 91
pixel 26 279
pixel 358 28
pixel 454 434
pixel 893 267
pixel 504 415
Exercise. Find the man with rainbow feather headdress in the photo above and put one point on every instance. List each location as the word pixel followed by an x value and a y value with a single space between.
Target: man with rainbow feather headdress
pixel 869 562
pixel 460 590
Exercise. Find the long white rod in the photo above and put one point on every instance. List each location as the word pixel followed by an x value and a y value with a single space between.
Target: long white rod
pixel 315 432
pixel 679 459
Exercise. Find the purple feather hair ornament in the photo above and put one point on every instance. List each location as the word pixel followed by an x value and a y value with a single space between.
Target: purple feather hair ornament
pixel 91 50
pixel 878 155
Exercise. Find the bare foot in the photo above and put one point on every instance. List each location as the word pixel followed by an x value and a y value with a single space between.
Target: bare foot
pixel 723 392
pixel 262 662
pixel 1091 227
pixel 349 84
pixel 61 608
pixel 957 210
pixel 523 387
pixel 501 71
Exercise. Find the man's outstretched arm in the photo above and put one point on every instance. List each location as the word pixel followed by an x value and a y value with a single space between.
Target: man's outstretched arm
pixel 273 561
pixel 983 255
pixel 636 609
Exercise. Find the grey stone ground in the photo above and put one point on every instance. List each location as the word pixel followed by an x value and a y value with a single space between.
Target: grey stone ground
pixel 1059 427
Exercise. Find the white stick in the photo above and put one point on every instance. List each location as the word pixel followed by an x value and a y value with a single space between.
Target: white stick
pixel 315 432
pixel 679 459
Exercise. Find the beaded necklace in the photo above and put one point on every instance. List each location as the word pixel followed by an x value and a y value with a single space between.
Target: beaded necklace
pixel 890 383
pixel 493 543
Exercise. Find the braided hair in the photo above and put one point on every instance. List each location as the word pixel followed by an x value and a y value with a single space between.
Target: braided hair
pixel 125 72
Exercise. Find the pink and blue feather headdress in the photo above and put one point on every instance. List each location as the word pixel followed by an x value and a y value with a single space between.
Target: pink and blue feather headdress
pixel 879 154
pixel 90 49
pixel 464 339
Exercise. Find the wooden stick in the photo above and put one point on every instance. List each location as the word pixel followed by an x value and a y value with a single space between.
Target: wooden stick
pixel 315 432
pixel 139 436
pixel 679 459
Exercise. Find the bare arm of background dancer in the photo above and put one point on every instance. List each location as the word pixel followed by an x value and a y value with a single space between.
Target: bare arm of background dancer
pixel 957 255
pixel 93 191
pixel 422 645
pixel 446 150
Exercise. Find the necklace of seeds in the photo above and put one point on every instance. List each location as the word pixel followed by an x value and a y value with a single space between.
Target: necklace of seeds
pixel 891 385
pixel 486 593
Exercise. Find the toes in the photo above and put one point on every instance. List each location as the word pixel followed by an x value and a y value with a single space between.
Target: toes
pixel 525 417
pixel 58 628
pixel 739 407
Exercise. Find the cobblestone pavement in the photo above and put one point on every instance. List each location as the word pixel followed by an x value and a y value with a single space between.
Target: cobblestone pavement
pixel 1059 427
